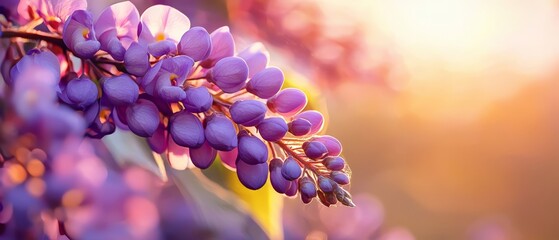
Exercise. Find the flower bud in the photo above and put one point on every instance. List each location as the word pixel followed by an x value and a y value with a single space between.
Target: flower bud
pixel 142 118
pixel 223 46
pixel 120 90
pixel 197 99
pixel 229 74
pixel 279 183
pixel 256 57
pixel 291 169
pixel 293 189
pixel 82 92
pixel 314 149
pixel 314 117
pixel 307 188
pixel 288 102
pixel 251 149
pixel 248 112
pixel 116 27
pixel 272 129
pixel 79 36
pixel 266 83
pixel 195 43
pixel 136 59
pixel 332 144
pixel 334 163
pixel 339 177
pixel 158 141
pixel 186 129
pixel 220 132
pixel 252 176
pixel 300 127
pixel 204 156
pixel 325 184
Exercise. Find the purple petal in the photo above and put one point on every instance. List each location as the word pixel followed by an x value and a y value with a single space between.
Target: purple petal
pixel 136 59
pixel 79 36
pixel 121 90
pixel 143 118
pixel 195 43
pixel 272 129
pixel 300 127
pixel 229 74
pixel 257 58
pixel 314 117
pixel 291 170
pixel 220 132
pixel 223 46
pixel 162 20
pixel 197 99
pixel 252 150
pixel 279 183
pixel 163 47
pixel 64 8
pixel 248 112
pixel 204 156
pixel 288 102
pixel 332 144
pixel 158 141
pixel 266 83
pixel 186 129
pixel 229 158
pixel 315 149
pixel 252 176
pixel 120 21
pixel 82 91
pixel 166 91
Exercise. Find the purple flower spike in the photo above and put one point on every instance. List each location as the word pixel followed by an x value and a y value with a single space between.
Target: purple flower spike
pixel 272 129
pixel 300 127
pixel 195 43
pixel 291 169
pixel 252 176
pixel 288 102
pixel 161 28
pixel 307 188
pixel 229 74
pixel 252 150
pixel 143 118
pixel 248 112
pixel 279 183
pixel 82 92
pixel 266 83
pixel 315 149
pixel 334 163
pixel 257 58
pixel 197 99
pixel 121 90
pixel 220 132
pixel 204 156
pixel 332 144
pixel 79 36
pixel 223 46
pixel 314 117
pixel 339 177
pixel 116 28
pixel 136 59
pixel 186 129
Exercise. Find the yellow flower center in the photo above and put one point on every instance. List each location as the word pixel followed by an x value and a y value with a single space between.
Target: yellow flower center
pixel 159 37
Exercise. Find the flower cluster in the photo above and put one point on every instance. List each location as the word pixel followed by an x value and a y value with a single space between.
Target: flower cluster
pixel 188 92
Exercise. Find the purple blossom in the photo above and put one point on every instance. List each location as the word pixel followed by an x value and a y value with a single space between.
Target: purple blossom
pixel 229 74
pixel 143 118
pixel 223 46
pixel 256 56
pixel 195 43
pixel 79 36
pixel 266 83
pixel 288 102
pixel 162 28
pixel 116 28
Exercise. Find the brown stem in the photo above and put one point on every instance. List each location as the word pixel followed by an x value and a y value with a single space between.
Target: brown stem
pixel 34 35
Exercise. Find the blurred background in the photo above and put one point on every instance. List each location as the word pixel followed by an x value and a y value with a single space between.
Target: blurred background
pixel 448 109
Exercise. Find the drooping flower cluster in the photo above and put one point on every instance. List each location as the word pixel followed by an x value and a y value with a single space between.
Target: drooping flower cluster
pixel 188 92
